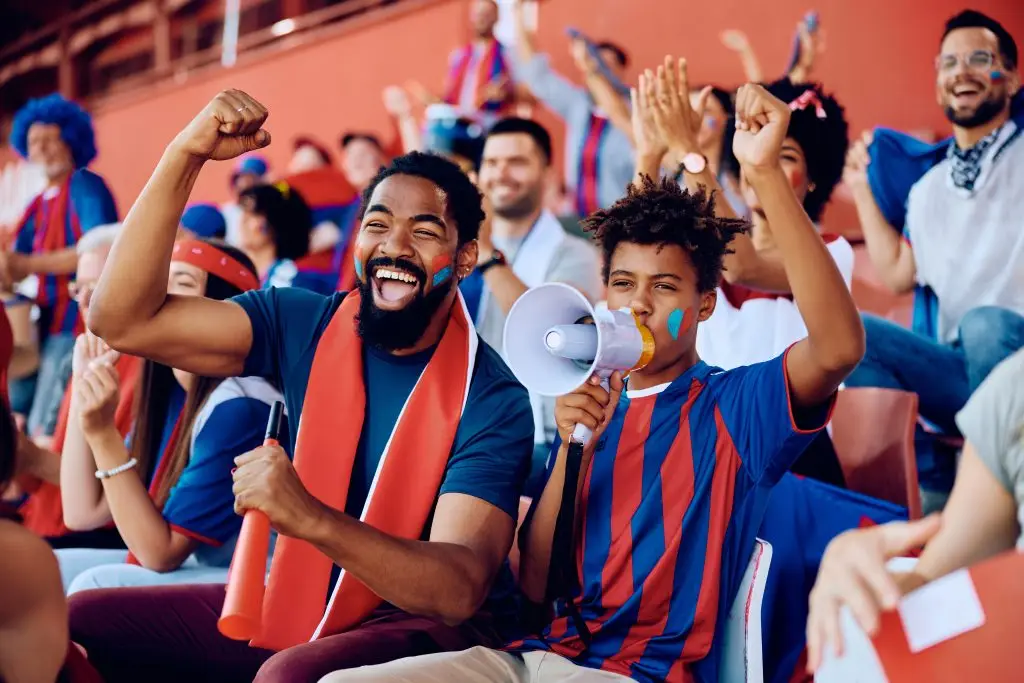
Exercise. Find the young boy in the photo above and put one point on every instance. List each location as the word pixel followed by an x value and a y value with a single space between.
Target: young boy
pixel 679 470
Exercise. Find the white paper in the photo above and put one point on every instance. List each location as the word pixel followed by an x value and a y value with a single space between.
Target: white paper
pixel 940 610
pixel 859 663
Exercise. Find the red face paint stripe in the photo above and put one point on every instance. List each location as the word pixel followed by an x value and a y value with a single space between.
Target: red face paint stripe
pixel 676 496
pixel 723 488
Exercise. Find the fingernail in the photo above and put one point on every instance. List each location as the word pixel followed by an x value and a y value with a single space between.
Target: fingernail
pixel 233 470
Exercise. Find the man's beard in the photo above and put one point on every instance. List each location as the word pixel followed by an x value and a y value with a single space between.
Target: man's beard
pixel 990 108
pixel 402 329
pixel 520 207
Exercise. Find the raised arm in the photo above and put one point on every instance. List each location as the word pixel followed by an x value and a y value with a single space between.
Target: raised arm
pixel 131 309
pixel 668 95
pixel 890 254
pixel 835 337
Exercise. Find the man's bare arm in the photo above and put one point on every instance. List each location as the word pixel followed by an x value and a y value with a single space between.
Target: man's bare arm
pixel 131 309
pixel 447 577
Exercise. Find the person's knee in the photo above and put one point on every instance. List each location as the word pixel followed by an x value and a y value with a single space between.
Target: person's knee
pixel 85 611
pixel 104 576
pixel 990 326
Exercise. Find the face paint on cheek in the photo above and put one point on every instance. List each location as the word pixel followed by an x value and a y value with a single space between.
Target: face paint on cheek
pixel 679 322
pixel 996 75
pixel 357 260
pixel 442 267
pixel 797 177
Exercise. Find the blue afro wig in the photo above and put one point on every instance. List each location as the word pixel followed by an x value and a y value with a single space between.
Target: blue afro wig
pixel 75 126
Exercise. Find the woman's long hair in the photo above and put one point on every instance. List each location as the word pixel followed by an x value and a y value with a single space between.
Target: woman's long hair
pixel 152 399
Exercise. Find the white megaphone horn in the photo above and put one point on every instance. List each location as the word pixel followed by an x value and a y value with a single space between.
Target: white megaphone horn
pixel 555 340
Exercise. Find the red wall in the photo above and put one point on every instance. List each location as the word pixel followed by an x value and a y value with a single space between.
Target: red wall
pixel 878 60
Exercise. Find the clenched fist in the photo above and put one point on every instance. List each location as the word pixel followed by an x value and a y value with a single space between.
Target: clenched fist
pixel 762 121
pixel 591 405
pixel 229 126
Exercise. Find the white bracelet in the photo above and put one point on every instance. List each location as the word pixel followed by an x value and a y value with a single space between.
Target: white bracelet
pixel 114 471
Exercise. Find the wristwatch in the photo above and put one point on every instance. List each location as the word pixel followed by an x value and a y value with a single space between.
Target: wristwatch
pixel 695 163
pixel 497 259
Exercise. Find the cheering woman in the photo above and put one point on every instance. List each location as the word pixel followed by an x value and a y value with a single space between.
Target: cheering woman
pixel 169 490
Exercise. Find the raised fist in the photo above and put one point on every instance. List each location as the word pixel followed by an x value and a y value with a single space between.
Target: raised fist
pixel 762 121
pixel 229 126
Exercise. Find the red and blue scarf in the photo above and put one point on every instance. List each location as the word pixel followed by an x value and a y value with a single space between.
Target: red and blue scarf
pixel 490 69
pixel 588 199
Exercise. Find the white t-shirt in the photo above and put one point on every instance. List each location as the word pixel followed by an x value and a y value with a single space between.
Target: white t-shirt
pixel 750 326
pixel 969 244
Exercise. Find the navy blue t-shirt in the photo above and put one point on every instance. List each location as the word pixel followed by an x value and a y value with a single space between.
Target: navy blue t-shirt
pixel 493 443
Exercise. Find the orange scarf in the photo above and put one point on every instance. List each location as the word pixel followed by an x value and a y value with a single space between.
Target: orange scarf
pixel 43 512
pixel 404 489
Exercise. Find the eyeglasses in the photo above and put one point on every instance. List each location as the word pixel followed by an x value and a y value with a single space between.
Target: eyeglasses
pixel 974 61
pixel 79 291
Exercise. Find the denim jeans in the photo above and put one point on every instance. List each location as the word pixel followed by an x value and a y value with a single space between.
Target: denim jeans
pixel 39 396
pixel 942 375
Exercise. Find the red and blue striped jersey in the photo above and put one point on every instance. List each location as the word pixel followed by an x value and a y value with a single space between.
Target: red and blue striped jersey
pixel 55 221
pixel 671 505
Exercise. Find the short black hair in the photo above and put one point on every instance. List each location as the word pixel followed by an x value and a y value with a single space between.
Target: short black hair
pixel 824 139
pixel 620 55
pixel 289 218
pixel 970 18
pixel 660 212
pixel 464 201
pixel 351 137
pixel 530 127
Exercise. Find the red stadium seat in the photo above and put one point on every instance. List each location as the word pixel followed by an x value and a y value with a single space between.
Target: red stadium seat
pixel 873 433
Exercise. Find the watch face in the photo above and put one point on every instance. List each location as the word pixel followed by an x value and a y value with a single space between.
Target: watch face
pixel 694 163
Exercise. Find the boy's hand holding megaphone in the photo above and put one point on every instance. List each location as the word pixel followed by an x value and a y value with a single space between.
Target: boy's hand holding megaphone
pixel 591 405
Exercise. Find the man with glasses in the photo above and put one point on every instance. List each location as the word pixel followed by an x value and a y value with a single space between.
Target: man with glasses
pixel 963 239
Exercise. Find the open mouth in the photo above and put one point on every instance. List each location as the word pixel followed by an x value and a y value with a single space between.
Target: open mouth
pixel 393 287
pixel 966 94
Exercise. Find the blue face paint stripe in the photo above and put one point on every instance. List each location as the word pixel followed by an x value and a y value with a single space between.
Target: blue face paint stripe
pixel 441 276
pixel 359 267
pixel 675 321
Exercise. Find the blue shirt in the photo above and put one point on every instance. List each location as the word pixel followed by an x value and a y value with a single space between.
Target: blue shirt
pixel 671 504
pixel 232 421
pixel 287 273
pixel 494 440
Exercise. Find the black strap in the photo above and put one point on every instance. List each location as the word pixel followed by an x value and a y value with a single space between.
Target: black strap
pixel 562 575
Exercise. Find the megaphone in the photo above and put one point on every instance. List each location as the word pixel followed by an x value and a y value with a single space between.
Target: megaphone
pixel 554 340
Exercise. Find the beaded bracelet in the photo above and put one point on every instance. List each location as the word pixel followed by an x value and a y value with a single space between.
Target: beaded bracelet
pixel 114 471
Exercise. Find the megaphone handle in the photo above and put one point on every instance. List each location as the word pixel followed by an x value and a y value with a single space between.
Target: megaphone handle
pixel 582 433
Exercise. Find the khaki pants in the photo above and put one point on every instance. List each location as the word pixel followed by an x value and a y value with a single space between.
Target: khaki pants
pixel 478 664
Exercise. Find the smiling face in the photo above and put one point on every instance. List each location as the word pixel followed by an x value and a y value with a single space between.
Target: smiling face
pixel 712 127
pixel 659 283
pixel 47 149
pixel 512 174
pixel 361 161
pixel 408 262
pixel 184 279
pixel 972 84
pixel 794 165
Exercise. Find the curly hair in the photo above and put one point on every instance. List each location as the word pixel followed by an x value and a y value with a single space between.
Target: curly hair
pixel 75 126
pixel 288 217
pixel 661 212
pixel 824 140
pixel 463 199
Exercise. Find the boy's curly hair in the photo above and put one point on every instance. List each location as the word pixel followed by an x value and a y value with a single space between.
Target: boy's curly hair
pixel 661 212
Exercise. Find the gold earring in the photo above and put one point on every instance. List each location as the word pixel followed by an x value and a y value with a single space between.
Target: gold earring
pixel 811 187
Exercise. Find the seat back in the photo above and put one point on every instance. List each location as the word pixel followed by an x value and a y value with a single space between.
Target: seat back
pixel 742 658
pixel 873 435
pixel 963 627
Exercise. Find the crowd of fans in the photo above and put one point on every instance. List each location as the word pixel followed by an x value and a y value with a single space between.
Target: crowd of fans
pixel 142 359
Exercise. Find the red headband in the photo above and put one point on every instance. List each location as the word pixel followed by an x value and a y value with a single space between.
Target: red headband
pixel 806 99
pixel 215 262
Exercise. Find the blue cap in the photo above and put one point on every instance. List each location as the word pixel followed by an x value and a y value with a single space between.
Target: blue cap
pixel 252 164
pixel 204 220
